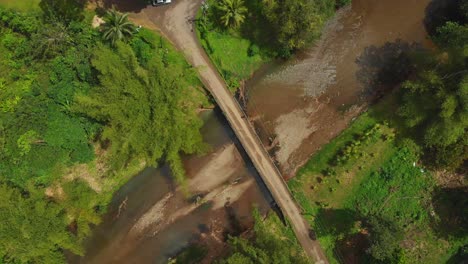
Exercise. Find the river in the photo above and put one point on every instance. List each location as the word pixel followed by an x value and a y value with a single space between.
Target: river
pixel 150 220
pixel 308 100
pixel 304 102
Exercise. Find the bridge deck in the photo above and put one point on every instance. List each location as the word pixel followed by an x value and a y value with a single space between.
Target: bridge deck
pixel 174 21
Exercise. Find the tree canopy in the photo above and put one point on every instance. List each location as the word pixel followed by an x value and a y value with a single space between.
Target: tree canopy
pixel 117 27
pixel 69 99
pixel 33 230
pixel 295 23
pixel 435 101
pixel 233 12
pixel 273 243
pixel 145 109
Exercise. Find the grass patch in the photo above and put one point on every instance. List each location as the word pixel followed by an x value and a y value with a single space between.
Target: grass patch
pixel 235 58
pixel 363 174
pixel 21 5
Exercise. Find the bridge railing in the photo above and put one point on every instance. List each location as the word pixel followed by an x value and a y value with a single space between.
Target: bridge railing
pixel 252 130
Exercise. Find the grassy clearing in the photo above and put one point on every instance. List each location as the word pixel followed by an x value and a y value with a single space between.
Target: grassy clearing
pixel 21 5
pixel 235 58
pixel 356 177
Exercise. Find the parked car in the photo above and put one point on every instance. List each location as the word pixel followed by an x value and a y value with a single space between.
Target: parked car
pixel 160 2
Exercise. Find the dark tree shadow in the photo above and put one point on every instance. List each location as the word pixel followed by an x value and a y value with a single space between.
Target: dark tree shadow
pixel 352 248
pixel 63 10
pixel 234 223
pixel 134 6
pixel 263 34
pixel 357 235
pixel 461 257
pixel 440 11
pixel 382 68
pixel 335 221
pixel 451 208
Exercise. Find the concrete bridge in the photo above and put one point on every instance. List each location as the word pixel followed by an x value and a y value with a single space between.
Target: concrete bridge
pixel 175 22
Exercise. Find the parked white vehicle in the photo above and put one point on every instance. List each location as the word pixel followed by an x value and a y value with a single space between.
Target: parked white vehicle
pixel 160 2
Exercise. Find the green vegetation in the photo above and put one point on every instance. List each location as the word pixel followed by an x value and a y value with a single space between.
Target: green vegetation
pixel 367 192
pixel 24 5
pixel 356 205
pixel 117 27
pixel 152 118
pixel 232 12
pixel 235 58
pixel 273 243
pixel 241 36
pixel 78 117
pixel 435 102
pixel 192 255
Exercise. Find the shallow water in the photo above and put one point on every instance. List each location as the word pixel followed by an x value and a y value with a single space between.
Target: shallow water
pixel 321 89
pixel 115 240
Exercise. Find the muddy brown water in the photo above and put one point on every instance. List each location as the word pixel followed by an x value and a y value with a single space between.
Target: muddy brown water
pixel 305 101
pixel 115 241
pixel 309 99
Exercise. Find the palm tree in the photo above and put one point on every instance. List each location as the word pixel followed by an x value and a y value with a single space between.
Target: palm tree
pixel 117 27
pixel 233 12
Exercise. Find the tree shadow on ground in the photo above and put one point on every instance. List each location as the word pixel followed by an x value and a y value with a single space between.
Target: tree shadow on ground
pixel 359 238
pixel 134 6
pixel 263 34
pixel 440 11
pixel 352 243
pixel 460 257
pixel 63 10
pixel 352 248
pixel 235 225
pixel 382 68
pixel 451 208
pixel 335 221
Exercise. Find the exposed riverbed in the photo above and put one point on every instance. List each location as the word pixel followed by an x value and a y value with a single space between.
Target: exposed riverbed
pixel 304 102
pixel 150 220
pixel 311 98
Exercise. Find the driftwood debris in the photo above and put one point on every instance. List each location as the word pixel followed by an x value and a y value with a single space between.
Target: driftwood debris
pixel 273 143
pixel 122 206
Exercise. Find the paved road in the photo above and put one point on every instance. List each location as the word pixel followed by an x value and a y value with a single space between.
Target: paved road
pixel 175 22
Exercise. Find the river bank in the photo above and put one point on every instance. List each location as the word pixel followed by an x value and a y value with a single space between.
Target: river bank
pixel 305 102
pixel 286 101
pixel 150 220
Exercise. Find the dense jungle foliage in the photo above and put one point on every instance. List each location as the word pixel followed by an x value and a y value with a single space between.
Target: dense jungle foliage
pixel 78 116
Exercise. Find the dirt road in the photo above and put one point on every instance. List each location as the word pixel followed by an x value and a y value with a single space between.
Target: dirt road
pixel 175 22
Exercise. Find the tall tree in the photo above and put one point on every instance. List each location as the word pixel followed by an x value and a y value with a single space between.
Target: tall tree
pixel 232 12
pixel 64 11
pixel 385 240
pixel 295 22
pixel 148 112
pixel 117 27
pixel 33 230
pixel 273 243
pixel 435 103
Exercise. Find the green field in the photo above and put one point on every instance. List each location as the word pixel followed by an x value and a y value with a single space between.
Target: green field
pixel 369 173
pixel 235 58
pixel 22 5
